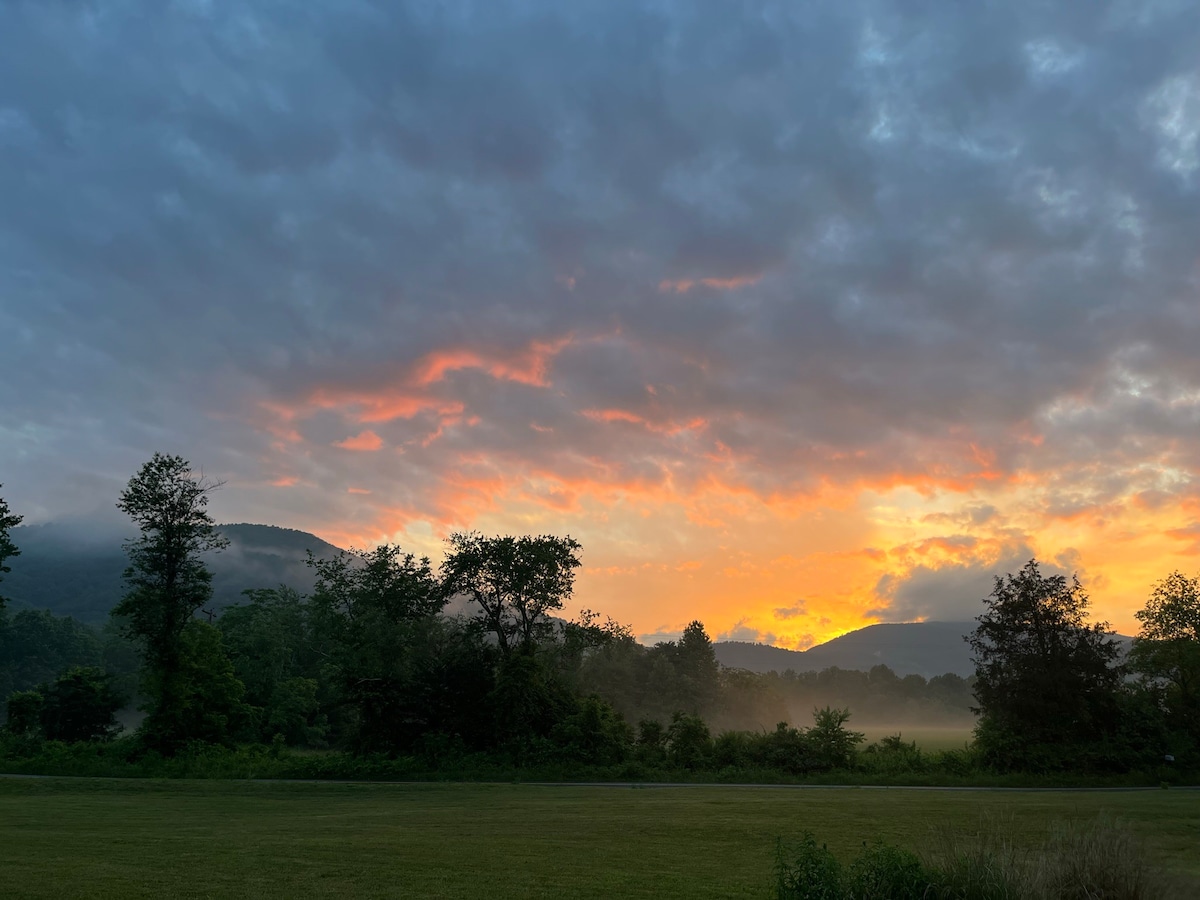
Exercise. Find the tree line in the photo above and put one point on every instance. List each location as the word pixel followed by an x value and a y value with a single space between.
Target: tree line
pixel 370 663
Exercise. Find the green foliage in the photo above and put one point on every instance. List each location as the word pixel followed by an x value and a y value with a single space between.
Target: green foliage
pixel 399 670
pixel 884 872
pixel 1047 682
pixel 1167 651
pixel 516 581
pixel 528 702
pixel 24 713
pixel 36 645
pixel 167 583
pixel 807 871
pixel 205 695
pixel 832 743
pixel 689 743
pixel 80 705
pixel 7 548
pixel 594 735
pixel 1101 858
pixel 278 658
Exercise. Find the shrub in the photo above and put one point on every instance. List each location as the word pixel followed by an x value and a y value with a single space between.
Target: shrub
pixel 1098 859
pixel 81 705
pixel 882 872
pixel 832 743
pixel 689 744
pixel 1082 861
pixel 25 713
pixel 807 871
pixel 596 734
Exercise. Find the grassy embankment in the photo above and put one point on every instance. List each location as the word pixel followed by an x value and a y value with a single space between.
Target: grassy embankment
pixel 127 839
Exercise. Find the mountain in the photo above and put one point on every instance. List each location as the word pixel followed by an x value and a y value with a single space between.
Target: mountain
pixel 922 648
pixel 918 648
pixel 74 569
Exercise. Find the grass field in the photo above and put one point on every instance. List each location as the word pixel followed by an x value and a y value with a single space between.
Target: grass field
pixel 126 839
pixel 928 737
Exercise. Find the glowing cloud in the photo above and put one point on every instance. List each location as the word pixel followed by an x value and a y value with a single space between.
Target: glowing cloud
pixel 365 441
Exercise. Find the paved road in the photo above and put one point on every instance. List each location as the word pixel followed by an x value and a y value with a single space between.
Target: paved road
pixel 662 785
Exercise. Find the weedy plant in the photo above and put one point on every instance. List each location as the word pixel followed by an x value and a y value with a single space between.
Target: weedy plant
pixel 1097 860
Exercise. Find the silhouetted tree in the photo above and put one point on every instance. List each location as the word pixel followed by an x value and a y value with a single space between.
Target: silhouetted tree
pixel 401 670
pixel 1167 651
pixel 517 582
pixel 1047 682
pixel 278 657
pixel 205 696
pixel 696 662
pixel 167 582
pixel 80 705
pixel 7 548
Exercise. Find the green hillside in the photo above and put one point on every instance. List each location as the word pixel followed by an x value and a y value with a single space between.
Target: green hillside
pixel 75 570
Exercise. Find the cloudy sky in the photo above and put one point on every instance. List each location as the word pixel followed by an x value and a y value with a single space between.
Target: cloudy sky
pixel 798 315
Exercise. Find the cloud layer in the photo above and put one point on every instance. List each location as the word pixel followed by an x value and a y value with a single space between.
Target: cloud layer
pixel 845 301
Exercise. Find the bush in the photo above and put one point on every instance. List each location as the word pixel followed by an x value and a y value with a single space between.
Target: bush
pixel 689 744
pixel 595 735
pixel 25 713
pixel 1088 861
pixel 81 705
pixel 807 872
pixel 882 872
pixel 832 743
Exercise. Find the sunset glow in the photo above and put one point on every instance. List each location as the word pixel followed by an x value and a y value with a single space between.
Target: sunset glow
pixel 796 320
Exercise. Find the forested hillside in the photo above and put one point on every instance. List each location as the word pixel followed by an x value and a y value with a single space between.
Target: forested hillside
pixel 75 569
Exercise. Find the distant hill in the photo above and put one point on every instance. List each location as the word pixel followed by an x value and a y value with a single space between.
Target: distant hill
pixel 75 569
pixel 920 648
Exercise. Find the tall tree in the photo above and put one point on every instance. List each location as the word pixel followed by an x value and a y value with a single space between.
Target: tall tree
pixel 167 582
pixel 7 548
pixel 518 582
pixel 1047 681
pixel 696 663
pixel 401 670
pixel 1168 648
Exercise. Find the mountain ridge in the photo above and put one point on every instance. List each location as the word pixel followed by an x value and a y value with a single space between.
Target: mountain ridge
pixel 76 570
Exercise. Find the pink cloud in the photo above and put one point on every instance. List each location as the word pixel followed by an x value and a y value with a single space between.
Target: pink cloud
pixel 367 440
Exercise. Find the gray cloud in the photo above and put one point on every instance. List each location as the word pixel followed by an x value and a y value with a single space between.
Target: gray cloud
pixel 921 227
pixel 955 591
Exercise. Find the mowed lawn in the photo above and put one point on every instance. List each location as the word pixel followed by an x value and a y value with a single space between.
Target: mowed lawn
pixel 126 839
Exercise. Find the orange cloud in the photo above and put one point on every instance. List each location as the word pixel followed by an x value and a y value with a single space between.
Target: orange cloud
pixel 528 366
pixel 683 285
pixel 366 441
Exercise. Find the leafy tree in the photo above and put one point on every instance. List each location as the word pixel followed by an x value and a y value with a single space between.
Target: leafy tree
pixel 528 701
pixel 384 582
pixel 167 583
pixel 37 645
pixel 696 662
pixel 518 582
pixel 80 705
pixel 205 695
pixel 689 742
pixel 1168 648
pixel 278 658
pixel 1047 682
pixel 832 743
pixel 595 734
pixel 7 548
pixel 24 713
pixel 400 669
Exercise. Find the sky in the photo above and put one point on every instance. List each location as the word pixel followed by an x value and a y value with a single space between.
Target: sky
pixel 799 316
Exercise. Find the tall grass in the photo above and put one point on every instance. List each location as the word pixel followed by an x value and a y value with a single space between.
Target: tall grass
pixel 1097 860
